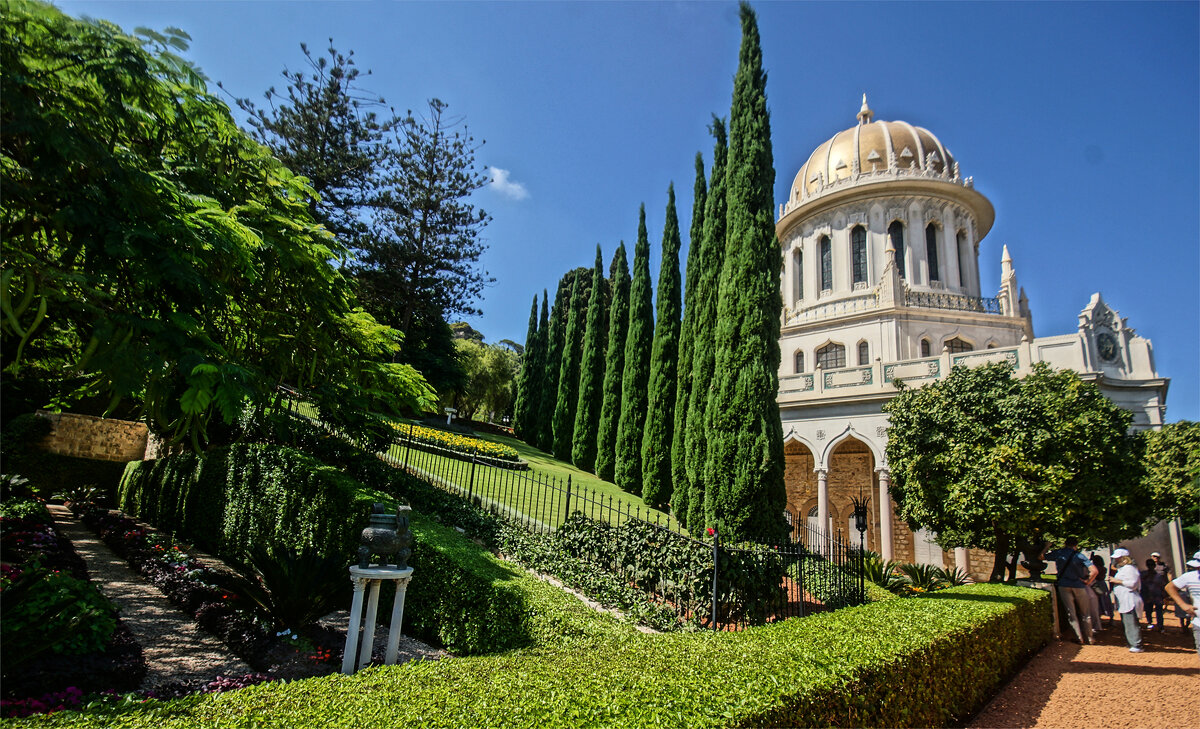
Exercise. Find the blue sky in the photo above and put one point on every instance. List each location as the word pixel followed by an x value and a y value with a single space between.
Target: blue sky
pixel 1078 120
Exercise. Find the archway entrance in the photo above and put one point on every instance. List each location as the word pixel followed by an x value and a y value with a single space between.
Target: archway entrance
pixel 800 480
pixel 851 474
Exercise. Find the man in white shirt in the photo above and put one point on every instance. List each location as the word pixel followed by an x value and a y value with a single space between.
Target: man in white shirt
pixel 1190 583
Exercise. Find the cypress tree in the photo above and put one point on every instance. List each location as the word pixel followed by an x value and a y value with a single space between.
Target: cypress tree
pixel 636 376
pixel 537 410
pixel 679 480
pixel 614 367
pixel 664 360
pixel 744 468
pixel 529 376
pixel 591 375
pixel 688 505
pixel 568 373
pixel 553 361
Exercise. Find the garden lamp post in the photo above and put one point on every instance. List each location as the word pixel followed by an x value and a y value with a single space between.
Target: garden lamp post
pixel 860 523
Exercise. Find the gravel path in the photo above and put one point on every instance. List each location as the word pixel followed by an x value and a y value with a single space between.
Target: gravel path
pixel 174 646
pixel 1069 686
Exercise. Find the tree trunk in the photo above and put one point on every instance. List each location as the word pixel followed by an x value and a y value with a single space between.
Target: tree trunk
pixel 998 564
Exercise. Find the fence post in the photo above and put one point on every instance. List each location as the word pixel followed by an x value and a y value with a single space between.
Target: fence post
pixel 716 562
pixel 408 446
pixel 567 510
pixel 471 482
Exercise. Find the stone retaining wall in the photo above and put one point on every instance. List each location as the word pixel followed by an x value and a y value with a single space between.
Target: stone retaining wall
pixel 87 436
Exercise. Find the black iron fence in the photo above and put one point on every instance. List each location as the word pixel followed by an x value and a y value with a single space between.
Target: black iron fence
pixel 705 581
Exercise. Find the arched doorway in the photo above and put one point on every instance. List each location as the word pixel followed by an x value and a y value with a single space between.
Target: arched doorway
pixel 800 481
pixel 851 475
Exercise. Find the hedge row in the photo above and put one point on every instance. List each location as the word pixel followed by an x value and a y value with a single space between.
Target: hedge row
pixel 928 661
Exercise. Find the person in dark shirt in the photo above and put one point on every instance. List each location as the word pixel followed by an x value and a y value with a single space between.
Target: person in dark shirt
pixel 1075 576
pixel 1153 583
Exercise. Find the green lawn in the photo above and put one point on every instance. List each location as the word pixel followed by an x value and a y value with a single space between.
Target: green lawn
pixel 540 493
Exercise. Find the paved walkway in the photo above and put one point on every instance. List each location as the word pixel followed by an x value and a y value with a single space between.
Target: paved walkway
pixel 174 646
pixel 1069 686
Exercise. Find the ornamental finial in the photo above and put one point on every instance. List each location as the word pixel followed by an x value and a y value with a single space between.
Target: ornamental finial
pixel 865 115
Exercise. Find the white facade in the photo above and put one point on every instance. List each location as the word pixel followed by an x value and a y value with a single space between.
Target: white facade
pixel 881 282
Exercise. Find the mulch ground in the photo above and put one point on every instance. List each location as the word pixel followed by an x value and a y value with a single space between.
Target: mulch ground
pixel 1067 685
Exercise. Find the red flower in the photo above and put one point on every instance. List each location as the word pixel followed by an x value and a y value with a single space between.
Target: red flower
pixel 711 531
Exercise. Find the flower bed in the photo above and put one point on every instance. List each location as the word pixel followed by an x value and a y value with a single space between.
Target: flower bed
pixel 461 444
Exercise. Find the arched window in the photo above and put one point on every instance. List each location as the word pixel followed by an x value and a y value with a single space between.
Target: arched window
pixel 957 345
pixel 858 253
pixel 799 361
pixel 931 252
pixel 826 264
pixel 798 274
pixel 961 241
pixel 896 236
pixel 831 357
pixel 991 345
pixel 924 347
pixel 864 353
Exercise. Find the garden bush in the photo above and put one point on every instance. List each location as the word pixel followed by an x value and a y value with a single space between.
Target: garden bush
pixel 929 661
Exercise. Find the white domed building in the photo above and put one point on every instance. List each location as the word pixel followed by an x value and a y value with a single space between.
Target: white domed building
pixel 880 242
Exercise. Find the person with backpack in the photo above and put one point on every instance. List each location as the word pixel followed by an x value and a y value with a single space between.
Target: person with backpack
pixel 1075 576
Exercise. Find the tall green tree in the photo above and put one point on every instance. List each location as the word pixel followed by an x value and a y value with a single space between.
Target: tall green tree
pixel 992 461
pixel 559 313
pixel 664 363
pixel 688 504
pixel 172 252
pixel 636 376
pixel 745 453
pixel 490 383
pixel 679 479
pixel 568 373
pixel 591 376
pixel 526 397
pixel 1173 470
pixel 614 367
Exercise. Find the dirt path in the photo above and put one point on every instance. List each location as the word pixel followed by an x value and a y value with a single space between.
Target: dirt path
pixel 1068 686
pixel 174 646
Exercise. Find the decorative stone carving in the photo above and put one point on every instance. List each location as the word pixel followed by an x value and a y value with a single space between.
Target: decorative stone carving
pixel 387 534
pixel 880 432
pixel 820 435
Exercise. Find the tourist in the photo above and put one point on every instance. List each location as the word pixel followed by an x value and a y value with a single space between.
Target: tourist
pixel 1189 582
pixel 1153 583
pixel 1101 588
pixel 1075 576
pixel 1126 584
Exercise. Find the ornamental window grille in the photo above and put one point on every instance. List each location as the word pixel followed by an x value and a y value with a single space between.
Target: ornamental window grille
pixel 858 253
pixel 799 361
pixel 798 274
pixel 957 345
pixel 931 252
pixel 961 240
pixel 864 353
pixel 831 357
pixel 826 264
pixel 896 237
pixel 924 347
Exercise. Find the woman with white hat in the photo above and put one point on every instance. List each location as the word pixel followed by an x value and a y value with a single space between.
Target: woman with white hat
pixel 1189 582
pixel 1127 585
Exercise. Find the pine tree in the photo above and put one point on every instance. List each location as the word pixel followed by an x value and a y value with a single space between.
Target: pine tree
pixel 537 410
pixel 679 479
pixel 688 505
pixel 591 376
pixel 664 360
pixel 636 376
pixel 529 370
pixel 568 373
pixel 744 468
pixel 614 368
pixel 553 360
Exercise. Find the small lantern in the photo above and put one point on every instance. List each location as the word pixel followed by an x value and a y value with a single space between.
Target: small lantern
pixel 860 513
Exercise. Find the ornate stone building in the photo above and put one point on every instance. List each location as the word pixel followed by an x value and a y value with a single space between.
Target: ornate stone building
pixel 880 241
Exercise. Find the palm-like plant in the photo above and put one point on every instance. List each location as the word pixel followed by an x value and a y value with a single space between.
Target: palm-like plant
pixel 953 577
pixel 884 573
pixel 295 588
pixel 922 577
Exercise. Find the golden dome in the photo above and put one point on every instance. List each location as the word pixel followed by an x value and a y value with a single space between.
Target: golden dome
pixel 870 149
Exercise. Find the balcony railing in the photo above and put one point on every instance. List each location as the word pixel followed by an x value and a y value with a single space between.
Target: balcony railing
pixel 952 302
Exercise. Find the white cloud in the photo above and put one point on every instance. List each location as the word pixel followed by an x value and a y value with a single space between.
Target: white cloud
pixel 510 189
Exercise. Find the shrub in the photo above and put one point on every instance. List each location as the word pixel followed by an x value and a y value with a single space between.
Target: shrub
pixel 464 444
pixel 927 661
pixel 295 588
pixel 24 509
pixel 52 611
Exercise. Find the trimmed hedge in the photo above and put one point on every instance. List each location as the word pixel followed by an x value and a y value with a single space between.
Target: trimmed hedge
pixel 229 499
pixel 929 661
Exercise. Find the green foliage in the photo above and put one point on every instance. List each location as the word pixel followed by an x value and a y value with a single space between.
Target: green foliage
pixel 52 611
pixel 688 501
pixel 930 661
pixel 636 376
pixel 488 388
pixel 591 376
pixel 234 499
pixel 679 478
pixel 559 314
pixel 169 254
pixel 614 368
pixel 991 461
pixel 1173 468
pixel 744 464
pixel 295 588
pixel 664 368
pixel 528 391
pixel 24 509
pixel 568 372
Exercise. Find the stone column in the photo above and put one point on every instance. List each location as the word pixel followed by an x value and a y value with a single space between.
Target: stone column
pixel 349 654
pixel 962 560
pixel 886 550
pixel 823 508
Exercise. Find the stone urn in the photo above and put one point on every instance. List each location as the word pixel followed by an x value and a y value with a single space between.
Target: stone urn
pixel 386 535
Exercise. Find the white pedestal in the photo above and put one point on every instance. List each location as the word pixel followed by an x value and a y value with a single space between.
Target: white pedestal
pixel 358 655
